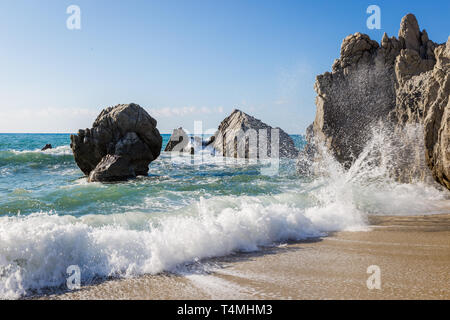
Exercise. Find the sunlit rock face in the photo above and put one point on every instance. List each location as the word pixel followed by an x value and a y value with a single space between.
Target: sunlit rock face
pixel 400 83
pixel 242 136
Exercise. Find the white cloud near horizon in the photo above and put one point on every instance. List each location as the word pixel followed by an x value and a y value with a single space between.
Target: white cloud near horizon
pixel 69 120
pixel 183 111
pixel 45 120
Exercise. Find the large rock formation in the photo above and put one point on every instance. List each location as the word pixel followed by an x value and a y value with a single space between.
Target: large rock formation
pixel 47 147
pixel 121 144
pixel 399 82
pixel 243 136
pixel 112 168
pixel 358 92
pixel 423 97
pixel 437 119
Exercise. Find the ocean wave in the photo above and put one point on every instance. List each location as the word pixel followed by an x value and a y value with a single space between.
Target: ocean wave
pixel 57 151
pixel 36 250
pixel 186 212
pixel 37 157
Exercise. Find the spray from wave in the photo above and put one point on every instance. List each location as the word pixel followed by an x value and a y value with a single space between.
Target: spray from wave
pixel 36 250
pixel 389 176
pixel 30 157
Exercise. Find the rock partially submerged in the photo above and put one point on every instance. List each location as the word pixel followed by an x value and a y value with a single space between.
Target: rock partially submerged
pixel 121 144
pixel 179 141
pixel 399 82
pixel 361 89
pixel 47 147
pixel 243 136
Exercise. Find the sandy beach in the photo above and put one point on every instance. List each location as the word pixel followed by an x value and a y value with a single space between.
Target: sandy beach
pixel 413 254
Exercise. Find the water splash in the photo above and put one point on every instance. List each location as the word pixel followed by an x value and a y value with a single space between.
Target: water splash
pixel 189 211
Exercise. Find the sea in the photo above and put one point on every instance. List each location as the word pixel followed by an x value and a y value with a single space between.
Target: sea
pixel 188 209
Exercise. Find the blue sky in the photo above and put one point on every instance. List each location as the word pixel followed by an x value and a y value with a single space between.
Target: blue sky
pixel 182 60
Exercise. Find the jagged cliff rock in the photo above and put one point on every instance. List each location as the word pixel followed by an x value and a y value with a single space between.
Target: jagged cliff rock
pixel 243 136
pixel 121 144
pixel 398 83
pixel 424 99
pixel 437 120
pixel 355 95
pixel 47 147
pixel 361 89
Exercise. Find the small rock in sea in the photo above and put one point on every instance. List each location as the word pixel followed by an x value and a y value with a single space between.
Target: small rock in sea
pixel 112 168
pixel 47 146
pixel 229 138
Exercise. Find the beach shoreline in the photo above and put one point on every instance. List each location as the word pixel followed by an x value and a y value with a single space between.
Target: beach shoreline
pixel 412 252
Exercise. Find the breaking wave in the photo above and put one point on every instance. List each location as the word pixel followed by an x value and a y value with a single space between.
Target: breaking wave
pixel 29 157
pixel 170 220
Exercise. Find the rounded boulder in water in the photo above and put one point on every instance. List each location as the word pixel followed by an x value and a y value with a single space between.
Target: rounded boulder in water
pixel 125 130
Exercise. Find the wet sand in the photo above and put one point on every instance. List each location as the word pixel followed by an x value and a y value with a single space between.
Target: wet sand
pixel 413 254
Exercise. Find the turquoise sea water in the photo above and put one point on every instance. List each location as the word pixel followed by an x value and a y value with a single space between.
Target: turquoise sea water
pixel 187 209
pixel 34 181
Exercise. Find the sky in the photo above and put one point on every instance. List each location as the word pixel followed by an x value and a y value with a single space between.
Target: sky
pixel 183 61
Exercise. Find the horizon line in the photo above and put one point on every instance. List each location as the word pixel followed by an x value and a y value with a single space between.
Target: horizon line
pixel 300 134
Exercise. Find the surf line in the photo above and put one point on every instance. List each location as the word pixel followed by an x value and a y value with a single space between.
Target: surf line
pixel 201 311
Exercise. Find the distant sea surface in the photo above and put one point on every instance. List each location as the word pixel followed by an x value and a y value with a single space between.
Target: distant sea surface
pixel 187 209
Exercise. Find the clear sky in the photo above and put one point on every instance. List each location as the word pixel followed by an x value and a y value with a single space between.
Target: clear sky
pixel 182 60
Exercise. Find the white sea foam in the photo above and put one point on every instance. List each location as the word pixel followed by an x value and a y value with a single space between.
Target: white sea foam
pixel 5 172
pixel 35 250
pixel 57 151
